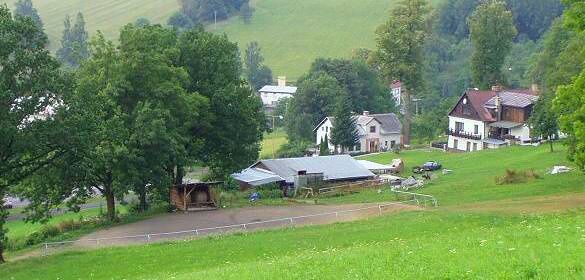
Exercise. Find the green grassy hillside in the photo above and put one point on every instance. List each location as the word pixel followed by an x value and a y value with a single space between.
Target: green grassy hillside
pixel 293 33
pixel 105 15
pixel 481 231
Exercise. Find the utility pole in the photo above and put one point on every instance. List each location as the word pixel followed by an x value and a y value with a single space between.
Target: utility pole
pixel 273 130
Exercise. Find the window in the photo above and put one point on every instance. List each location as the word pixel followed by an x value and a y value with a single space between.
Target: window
pixel 372 129
pixel 358 147
pixel 323 129
pixel 455 144
pixel 468 147
pixel 459 126
pixel 475 146
pixel 476 129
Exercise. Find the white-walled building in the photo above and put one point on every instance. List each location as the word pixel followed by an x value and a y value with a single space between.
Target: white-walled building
pixel 271 95
pixel 377 132
pixel 490 119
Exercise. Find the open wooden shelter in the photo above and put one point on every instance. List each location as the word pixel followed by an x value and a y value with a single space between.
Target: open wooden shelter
pixel 195 196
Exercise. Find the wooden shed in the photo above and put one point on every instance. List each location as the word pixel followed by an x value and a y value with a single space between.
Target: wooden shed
pixel 195 196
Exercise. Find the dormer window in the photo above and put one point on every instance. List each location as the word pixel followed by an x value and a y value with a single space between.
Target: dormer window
pixel 372 129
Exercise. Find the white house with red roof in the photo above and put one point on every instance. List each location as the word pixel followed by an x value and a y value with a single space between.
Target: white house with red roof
pixel 377 132
pixel 491 119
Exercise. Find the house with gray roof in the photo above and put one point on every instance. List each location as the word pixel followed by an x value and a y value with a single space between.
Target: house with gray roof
pixel 484 119
pixel 298 171
pixel 272 95
pixel 377 132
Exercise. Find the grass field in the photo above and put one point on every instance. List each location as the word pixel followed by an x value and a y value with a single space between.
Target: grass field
pixel 472 235
pixel 293 33
pixel 105 15
pixel 272 142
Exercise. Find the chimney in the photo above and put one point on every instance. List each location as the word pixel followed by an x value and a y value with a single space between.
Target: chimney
pixel 497 88
pixel 281 81
pixel 366 113
pixel 534 88
pixel 498 103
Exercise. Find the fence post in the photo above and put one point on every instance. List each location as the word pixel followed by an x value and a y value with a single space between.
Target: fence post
pixel 45 251
pixel 197 232
pixel 291 221
pixel 380 209
pixel 148 238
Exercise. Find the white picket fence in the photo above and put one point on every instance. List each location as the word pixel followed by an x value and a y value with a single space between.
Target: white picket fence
pixel 418 199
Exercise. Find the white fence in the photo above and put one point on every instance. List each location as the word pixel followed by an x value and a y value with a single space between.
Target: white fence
pixel 342 215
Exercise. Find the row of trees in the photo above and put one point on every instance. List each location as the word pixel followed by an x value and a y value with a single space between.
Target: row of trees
pixel 129 119
pixel 195 12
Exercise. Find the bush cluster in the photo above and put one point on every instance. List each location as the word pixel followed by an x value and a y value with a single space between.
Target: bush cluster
pixel 517 177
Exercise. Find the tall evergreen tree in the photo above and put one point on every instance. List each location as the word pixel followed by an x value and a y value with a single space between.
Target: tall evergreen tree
pixel 492 33
pixel 25 8
pixel 257 74
pixel 324 147
pixel 65 52
pixel 400 52
pixel 344 133
pixel 74 43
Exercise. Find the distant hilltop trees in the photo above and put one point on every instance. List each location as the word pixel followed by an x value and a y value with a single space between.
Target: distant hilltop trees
pixel 194 12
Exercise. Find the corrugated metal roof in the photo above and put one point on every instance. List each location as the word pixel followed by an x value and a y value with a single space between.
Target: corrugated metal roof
pixel 257 176
pixel 374 165
pixel 337 167
pixel 279 89
pixel 513 99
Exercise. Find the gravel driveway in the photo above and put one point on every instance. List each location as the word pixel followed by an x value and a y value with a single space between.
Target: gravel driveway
pixel 208 219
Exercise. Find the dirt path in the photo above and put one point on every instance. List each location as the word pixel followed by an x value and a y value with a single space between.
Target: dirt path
pixel 535 204
pixel 223 217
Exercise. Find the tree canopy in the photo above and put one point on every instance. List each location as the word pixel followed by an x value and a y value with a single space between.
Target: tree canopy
pixel 74 43
pixel 257 74
pixel 492 33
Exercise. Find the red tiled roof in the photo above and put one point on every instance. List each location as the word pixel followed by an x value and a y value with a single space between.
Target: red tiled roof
pixel 396 84
pixel 477 99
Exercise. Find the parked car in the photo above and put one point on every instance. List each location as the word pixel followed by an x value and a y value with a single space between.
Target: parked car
pixel 427 166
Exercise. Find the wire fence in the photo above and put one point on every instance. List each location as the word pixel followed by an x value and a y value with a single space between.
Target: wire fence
pixel 336 216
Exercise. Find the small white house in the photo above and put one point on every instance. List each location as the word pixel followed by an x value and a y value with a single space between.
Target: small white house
pixel 377 132
pixel 271 95
pixel 490 119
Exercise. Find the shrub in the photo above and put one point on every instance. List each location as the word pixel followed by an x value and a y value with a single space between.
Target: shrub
pixel 517 177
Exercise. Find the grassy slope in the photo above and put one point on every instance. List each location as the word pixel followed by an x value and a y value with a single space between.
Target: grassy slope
pixel 105 15
pixel 272 141
pixel 444 243
pixel 293 33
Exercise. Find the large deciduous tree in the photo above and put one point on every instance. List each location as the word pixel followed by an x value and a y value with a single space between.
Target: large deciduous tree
pixel 236 122
pixel 400 52
pixel 31 90
pixel 569 102
pixel 316 99
pixel 492 33
pixel 257 74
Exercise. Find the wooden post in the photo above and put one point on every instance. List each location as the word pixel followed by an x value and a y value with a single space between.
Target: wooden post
pixel 184 199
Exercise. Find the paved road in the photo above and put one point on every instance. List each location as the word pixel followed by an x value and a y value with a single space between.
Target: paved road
pixel 208 219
